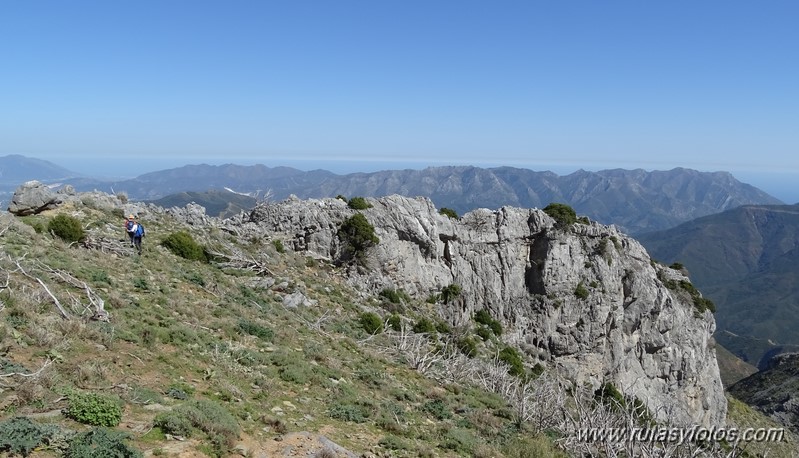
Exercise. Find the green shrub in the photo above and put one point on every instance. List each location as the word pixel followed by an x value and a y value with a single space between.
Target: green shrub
pixel 21 436
pixel 676 266
pixel 358 203
pixel 467 346
pixel 424 325
pixel 371 323
pixel 580 291
pixel 438 409
pixel 450 292
pixel 101 442
pixel 182 244
pixel 202 414
pixel 254 329
pixel 66 228
pixel 562 213
pixel 356 412
pixel 278 244
pixel 511 357
pixel 395 296
pixel 94 409
pixel 395 322
pixel 609 395
pixel 357 235
pixel 483 317
pixel 448 212
pixel 484 333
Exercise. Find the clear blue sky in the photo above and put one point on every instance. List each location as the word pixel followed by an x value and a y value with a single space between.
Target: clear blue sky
pixel 133 86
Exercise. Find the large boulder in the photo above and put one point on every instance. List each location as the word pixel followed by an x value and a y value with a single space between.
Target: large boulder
pixel 34 197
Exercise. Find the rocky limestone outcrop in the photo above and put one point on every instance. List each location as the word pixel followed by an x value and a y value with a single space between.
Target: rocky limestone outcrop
pixel 33 197
pixel 630 329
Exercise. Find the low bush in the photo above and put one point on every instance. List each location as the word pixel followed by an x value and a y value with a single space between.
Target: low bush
pixel 511 357
pixel 67 228
pixel 21 436
pixel 254 329
pixel 182 244
pixel 395 296
pixel 94 409
pixel 371 323
pixel 581 292
pixel 448 212
pixel 101 442
pixel 483 317
pixel 204 415
pixel 563 214
pixel 358 203
pixel 450 292
pixel 424 325
pixel 357 235
pixel 395 322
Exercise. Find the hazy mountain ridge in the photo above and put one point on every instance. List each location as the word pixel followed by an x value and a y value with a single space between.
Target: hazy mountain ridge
pixel 746 261
pixel 16 169
pixel 635 200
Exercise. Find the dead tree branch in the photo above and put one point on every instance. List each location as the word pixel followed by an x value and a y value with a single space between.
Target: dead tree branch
pixel 239 260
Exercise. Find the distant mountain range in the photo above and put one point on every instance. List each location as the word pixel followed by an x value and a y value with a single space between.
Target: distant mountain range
pixel 635 200
pixel 16 169
pixel 747 261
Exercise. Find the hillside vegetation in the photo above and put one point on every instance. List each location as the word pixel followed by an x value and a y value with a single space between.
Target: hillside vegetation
pixel 745 260
pixel 250 350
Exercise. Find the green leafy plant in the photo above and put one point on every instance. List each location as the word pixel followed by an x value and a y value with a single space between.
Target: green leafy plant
pixel 358 203
pixel 357 235
pixel 101 442
pixel 278 244
pixel 67 228
pixel 562 213
pixel 94 409
pixel 182 244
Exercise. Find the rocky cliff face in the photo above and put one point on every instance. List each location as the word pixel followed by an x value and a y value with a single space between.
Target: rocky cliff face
pixel 629 329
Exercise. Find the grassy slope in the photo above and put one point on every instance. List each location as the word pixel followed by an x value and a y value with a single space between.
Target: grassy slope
pixel 731 367
pixel 181 326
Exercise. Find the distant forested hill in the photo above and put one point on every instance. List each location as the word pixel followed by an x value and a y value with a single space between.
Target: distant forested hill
pixel 747 261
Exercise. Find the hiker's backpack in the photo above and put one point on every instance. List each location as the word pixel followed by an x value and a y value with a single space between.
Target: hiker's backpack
pixel 140 230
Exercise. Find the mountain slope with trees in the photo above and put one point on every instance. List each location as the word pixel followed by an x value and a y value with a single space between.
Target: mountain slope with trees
pixel 746 260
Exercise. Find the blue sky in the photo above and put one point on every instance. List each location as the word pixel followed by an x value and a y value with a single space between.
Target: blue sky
pixel 122 88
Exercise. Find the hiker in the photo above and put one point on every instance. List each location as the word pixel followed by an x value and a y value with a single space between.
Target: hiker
pixel 130 228
pixel 135 232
